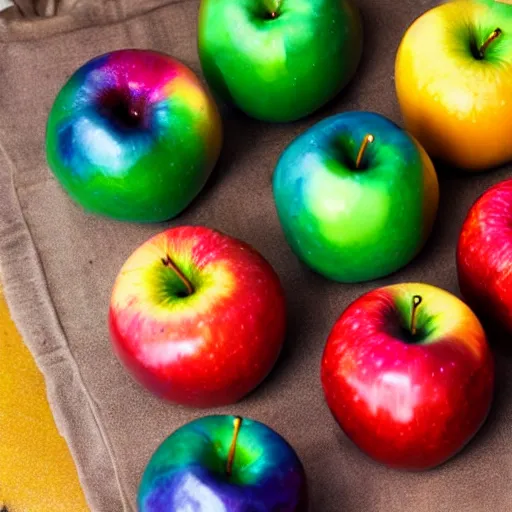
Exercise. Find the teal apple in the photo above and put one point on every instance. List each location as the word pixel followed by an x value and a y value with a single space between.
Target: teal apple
pixel 356 196
pixel 279 60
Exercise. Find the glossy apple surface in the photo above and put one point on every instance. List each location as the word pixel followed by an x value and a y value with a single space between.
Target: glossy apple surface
pixel 352 223
pixel 208 344
pixel 453 82
pixel 279 60
pixel 484 255
pixel 409 401
pixel 188 472
pixel 133 135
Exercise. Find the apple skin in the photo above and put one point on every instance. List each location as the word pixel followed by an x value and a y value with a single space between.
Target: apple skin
pixel 484 255
pixel 349 224
pixel 188 471
pixel 133 135
pixel 208 348
pixel 456 105
pixel 283 68
pixel 409 402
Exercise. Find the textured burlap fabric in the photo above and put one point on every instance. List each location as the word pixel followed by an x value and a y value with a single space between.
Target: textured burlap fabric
pixel 58 265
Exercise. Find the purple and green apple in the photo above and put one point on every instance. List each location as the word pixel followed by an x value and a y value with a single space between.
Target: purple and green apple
pixel 356 195
pixel 133 135
pixel 224 463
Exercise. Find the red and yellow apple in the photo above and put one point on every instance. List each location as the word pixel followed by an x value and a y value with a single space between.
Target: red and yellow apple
pixel 408 375
pixel 484 255
pixel 197 316
pixel 453 78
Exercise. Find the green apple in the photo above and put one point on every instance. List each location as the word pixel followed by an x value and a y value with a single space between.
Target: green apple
pixel 356 196
pixel 279 60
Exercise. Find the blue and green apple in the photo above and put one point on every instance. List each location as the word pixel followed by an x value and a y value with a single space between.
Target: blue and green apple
pixel 133 135
pixel 223 463
pixel 356 196
pixel 279 60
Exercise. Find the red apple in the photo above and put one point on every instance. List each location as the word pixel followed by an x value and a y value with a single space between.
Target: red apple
pixel 197 317
pixel 484 255
pixel 408 375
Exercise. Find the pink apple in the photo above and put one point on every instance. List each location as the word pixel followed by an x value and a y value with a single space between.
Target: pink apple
pixel 197 316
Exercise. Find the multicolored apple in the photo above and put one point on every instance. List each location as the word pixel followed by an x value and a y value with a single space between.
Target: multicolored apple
pixel 133 135
pixel 408 375
pixel 197 317
pixel 453 82
pixel 356 196
pixel 279 60
pixel 224 464
pixel 484 255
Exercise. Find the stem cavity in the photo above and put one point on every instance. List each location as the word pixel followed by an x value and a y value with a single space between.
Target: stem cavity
pixel 167 261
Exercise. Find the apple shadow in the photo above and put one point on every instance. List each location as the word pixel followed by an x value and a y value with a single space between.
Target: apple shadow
pixel 239 133
pixel 499 339
pixel 446 170
pixel 295 343
pixel 352 451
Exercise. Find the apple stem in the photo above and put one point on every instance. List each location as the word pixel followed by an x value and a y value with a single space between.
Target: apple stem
pixel 167 261
pixel 237 422
pixel 416 301
pixel 368 139
pixel 494 35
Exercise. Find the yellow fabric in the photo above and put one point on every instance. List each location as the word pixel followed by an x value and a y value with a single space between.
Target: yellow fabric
pixel 37 473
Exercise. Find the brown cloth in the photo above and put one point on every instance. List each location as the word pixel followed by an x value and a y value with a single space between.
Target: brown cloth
pixel 58 265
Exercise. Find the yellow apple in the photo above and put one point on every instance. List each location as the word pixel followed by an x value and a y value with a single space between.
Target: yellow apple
pixel 453 77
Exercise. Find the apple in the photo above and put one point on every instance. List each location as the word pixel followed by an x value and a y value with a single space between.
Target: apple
pixel 408 375
pixel 356 196
pixel 133 135
pixel 452 77
pixel 484 255
pixel 197 316
pixel 279 60
pixel 224 464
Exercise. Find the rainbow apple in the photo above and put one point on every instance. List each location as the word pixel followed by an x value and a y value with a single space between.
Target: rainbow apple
pixel 408 375
pixel 453 82
pixel 133 135
pixel 356 196
pixel 197 316
pixel 279 60
pixel 484 255
pixel 224 464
